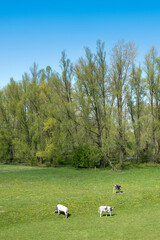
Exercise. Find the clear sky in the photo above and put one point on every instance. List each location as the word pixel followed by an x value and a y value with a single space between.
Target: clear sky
pixel 38 31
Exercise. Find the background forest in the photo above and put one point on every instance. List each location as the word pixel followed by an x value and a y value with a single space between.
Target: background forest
pixel 94 113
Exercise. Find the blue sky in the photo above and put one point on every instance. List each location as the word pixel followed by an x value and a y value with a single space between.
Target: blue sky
pixel 38 31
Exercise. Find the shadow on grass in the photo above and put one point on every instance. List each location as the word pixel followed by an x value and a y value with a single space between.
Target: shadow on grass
pixel 108 215
pixel 62 213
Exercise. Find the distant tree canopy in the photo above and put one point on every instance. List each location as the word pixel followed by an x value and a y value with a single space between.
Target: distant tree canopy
pixel 93 113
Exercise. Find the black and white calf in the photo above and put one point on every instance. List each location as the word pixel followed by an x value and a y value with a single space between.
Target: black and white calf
pixel 117 188
pixel 106 209
pixel 61 208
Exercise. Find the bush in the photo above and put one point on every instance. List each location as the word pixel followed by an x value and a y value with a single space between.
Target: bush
pixel 81 157
pixel 60 160
pixel 33 161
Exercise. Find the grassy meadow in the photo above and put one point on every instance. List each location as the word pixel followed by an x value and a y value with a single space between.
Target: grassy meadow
pixel 29 195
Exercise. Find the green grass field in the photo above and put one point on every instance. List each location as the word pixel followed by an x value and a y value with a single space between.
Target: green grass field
pixel 29 195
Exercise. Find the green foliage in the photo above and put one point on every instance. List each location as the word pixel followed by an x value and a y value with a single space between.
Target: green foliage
pixel 96 112
pixel 86 156
pixel 60 160
pixel 21 151
pixel 81 157
pixel 33 161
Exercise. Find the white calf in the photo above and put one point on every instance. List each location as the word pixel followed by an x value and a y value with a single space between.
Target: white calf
pixel 61 208
pixel 106 209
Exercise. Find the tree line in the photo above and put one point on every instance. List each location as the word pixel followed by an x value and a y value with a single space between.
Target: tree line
pixel 94 113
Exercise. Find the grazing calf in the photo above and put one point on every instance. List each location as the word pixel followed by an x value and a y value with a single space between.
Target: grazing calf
pixel 106 209
pixel 61 208
pixel 116 187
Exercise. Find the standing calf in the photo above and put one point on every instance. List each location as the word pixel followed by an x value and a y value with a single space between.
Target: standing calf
pixel 106 209
pixel 61 208
pixel 116 187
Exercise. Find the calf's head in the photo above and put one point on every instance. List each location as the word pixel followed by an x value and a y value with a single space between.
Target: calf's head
pixel 56 210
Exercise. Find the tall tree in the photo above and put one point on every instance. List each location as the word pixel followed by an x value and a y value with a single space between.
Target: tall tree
pixel 150 69
pixel 135 96
pixel 59 123
pixel 122 57
pixel 91 92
